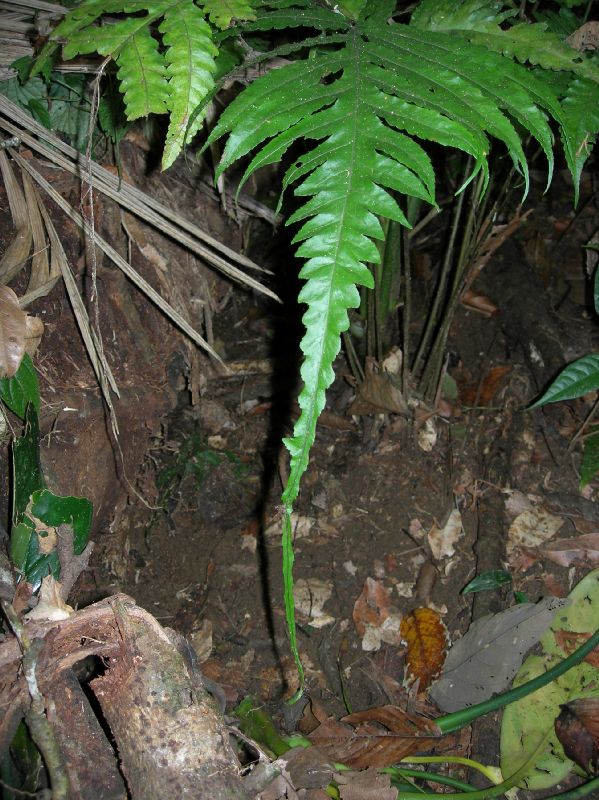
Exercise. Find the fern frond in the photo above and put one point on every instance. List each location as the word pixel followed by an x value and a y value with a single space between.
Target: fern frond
pixel 190 67
pixel 479 21
pixel 281 14
pixel 221 12
pixel 143 76
pixel 359 107
pixel 581 125
pixel 165 69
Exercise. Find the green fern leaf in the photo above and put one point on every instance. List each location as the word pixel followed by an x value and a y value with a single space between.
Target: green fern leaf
pixel 358 107
pixel 170 70
pixel 190 58
pixel 460 15
pixel 581 125
pixel 142 75
pixel 480 21
pixel 295 14
pixel 221 12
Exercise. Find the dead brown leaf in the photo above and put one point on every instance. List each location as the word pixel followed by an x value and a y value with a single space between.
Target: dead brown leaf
pixel 483 393
pixel 377 737
pixel 15 255
pixel 586 37
pixel 366 785
pixel 577 728
pixel 378 392
pixel 426 636
pixel 13 329
pixel 375 619
pixel 479 302
pixel 566 552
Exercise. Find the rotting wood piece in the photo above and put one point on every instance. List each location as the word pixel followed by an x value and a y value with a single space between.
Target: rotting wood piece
pixel 170 739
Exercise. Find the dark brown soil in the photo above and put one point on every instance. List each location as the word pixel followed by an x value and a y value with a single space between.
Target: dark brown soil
pixel 210 559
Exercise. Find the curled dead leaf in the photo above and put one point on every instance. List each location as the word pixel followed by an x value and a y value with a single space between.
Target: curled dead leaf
pixel 51 605
pixel 442 541
pixel 33 334
pixel 377 737
pixel 577 728
pixel 374 617
pixel 427 638
pixel 479 302
pixel 13 329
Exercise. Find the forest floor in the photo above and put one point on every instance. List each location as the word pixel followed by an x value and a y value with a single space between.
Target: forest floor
pixel 394 512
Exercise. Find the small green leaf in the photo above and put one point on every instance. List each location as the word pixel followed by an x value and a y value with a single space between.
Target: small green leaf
pixel 21 389
pixel 575 380
pixel 20 536
pixel 27 473
pixel 256 723
pixel 590 459
pixel 520 597
pixel 54 510
pixel 493 579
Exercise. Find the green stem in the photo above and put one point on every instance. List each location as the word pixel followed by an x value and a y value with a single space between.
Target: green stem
pixel 466 762
pixel 489 792
pixel 581 791
pixel 459 719
pixel 445 780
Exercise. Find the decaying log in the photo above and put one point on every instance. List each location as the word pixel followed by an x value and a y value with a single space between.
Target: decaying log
pixel 170 740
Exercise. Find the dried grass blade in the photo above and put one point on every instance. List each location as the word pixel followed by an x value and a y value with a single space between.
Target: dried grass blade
pixel 40 263
pixel 132 274
pixel 151 211
pixel 17 251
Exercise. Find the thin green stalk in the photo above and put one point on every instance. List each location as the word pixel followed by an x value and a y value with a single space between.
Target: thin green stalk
pixel 459 719
pixel 432 370
pixel 482 794
pixel 432 319
pixel 444 780
pixel 466 762
pixel 406 316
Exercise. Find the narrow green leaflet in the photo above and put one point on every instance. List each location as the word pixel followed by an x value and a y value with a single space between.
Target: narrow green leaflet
pixel 480 22
pixel 590 458
pixel 190 67
pixel 580 124
pixel 164 52
pixel 222 12
pixel 461 15
pixel 575 380
pixel 21 389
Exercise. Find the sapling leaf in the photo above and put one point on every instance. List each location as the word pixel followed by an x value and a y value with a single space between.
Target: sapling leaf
pixel 576 380
pixel 527 719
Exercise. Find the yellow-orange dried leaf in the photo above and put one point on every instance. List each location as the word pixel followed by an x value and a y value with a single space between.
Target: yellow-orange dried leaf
pixel 426 637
